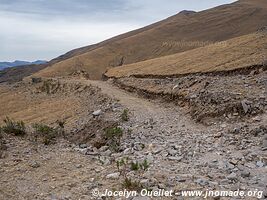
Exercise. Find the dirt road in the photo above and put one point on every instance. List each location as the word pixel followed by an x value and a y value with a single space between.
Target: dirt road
pixel 182 155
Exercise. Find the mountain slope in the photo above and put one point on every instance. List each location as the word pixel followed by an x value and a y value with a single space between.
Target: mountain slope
pixel 167 37
pixel 16 74
pixel 232 54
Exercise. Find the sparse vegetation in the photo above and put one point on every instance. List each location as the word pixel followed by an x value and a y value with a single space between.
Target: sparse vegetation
pixel 114 132
pixel 130 184
pixel 125 115
pixel 113 136
pixel 14 127
pixel 124 166
pixel 145 165
pixel 47 133
pixel 135 166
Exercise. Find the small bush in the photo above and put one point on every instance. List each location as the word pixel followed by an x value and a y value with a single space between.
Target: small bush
pixel 122 165
pixel 14 127
pixel 129 184
pixel 43 129
pixel 47 133
pixel 114 132
pixel 125 115
pixel 145 165
pixel 135 166
pixel 113 136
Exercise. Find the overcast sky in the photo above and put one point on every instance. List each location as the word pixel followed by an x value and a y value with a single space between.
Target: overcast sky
pixel 44 29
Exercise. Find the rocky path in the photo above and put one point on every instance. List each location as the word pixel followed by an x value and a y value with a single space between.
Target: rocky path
pixel 137 105
pixel 167 115
pixel 181 155
pixel 187 155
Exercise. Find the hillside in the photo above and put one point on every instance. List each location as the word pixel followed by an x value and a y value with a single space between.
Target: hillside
pixel 15 74
pixel 232 54
pixel 173 35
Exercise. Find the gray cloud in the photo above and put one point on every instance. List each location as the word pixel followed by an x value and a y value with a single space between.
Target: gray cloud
pixel 59 7
pixel 44 29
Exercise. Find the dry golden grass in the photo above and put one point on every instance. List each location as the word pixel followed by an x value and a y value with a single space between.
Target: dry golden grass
pixel 217 24
pixel 232 54
pixel 18 104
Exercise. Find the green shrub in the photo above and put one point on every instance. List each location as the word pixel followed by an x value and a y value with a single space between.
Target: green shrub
pixel 135 166
pixel 122 165
pixel 130 184
pixel 47 133
pixel 43 129
pixel 114 132
pixel 113 136
pixel 145 165
pixel 125 115
pixel 14 127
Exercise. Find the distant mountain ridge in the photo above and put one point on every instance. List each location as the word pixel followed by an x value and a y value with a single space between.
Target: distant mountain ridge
pixel 17 63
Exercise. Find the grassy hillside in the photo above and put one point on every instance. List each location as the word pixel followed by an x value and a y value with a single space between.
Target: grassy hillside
pixel 176 34
pixel 232 54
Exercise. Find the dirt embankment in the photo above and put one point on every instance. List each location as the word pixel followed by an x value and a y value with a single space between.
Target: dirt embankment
pixel 207 96
pixel 49 100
